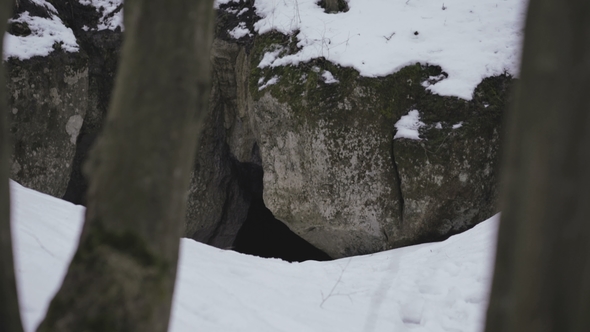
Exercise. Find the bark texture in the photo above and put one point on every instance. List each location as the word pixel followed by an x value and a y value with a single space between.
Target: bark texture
pixel 122 276
pixel 9 311
pixel 542 276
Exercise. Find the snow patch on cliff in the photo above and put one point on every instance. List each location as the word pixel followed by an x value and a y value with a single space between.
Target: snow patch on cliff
pixel 469 39
pixel 111 10
pixel 47 34
pixel 408 126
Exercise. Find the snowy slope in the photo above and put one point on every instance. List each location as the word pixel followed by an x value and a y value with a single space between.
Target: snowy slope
pixel 430 287
pixel 469 39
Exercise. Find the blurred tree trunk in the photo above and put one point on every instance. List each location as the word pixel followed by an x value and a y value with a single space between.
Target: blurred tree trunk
pixel 9 311
pixel 542 276
pixel 122 276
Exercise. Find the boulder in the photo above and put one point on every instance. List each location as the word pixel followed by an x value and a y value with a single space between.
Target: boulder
pixel 98 27
pixel 228 164
pixel 48 89
pixel 336 173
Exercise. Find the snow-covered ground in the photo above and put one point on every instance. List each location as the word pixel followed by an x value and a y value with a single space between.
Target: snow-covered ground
pixel 430 287
pixel 470 40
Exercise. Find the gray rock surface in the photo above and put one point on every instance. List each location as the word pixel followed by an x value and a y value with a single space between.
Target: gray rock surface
pixel 329 174
pixel 449 178
pixel 221 185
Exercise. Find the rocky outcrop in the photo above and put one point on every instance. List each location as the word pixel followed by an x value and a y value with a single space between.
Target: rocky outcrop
pixel 48 89
pixel 59 97
pixel 98 31
pixel 319 143
pixel 334 173
pixel 48 105
pixel 449 178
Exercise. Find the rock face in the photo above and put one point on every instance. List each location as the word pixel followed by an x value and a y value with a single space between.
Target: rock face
pixel 334 173
pixel 99 34
pixel 318 142
pixel 219 192
pixel 48 102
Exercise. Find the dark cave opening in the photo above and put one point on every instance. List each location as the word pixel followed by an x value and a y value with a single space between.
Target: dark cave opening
pixel 263 235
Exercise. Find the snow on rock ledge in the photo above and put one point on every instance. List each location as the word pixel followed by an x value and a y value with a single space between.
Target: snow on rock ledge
pixel 470 40
pixel 44 36
pixel 408 126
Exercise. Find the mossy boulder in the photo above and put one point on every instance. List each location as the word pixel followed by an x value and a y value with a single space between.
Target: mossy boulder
pixel 47 99
pixel 333 171
pixel 449 178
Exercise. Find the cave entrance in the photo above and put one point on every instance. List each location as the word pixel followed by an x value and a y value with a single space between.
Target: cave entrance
pixel 265 236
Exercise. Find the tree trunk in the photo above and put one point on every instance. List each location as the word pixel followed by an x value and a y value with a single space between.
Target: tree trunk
pixel 542 276
pixel 122 276
pixel 9 311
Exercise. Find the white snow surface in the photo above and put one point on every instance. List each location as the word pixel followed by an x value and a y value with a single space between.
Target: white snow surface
pixel 435 287
pixel 469 39
pixel 45 233
pixel 45 32
pixel 408 125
